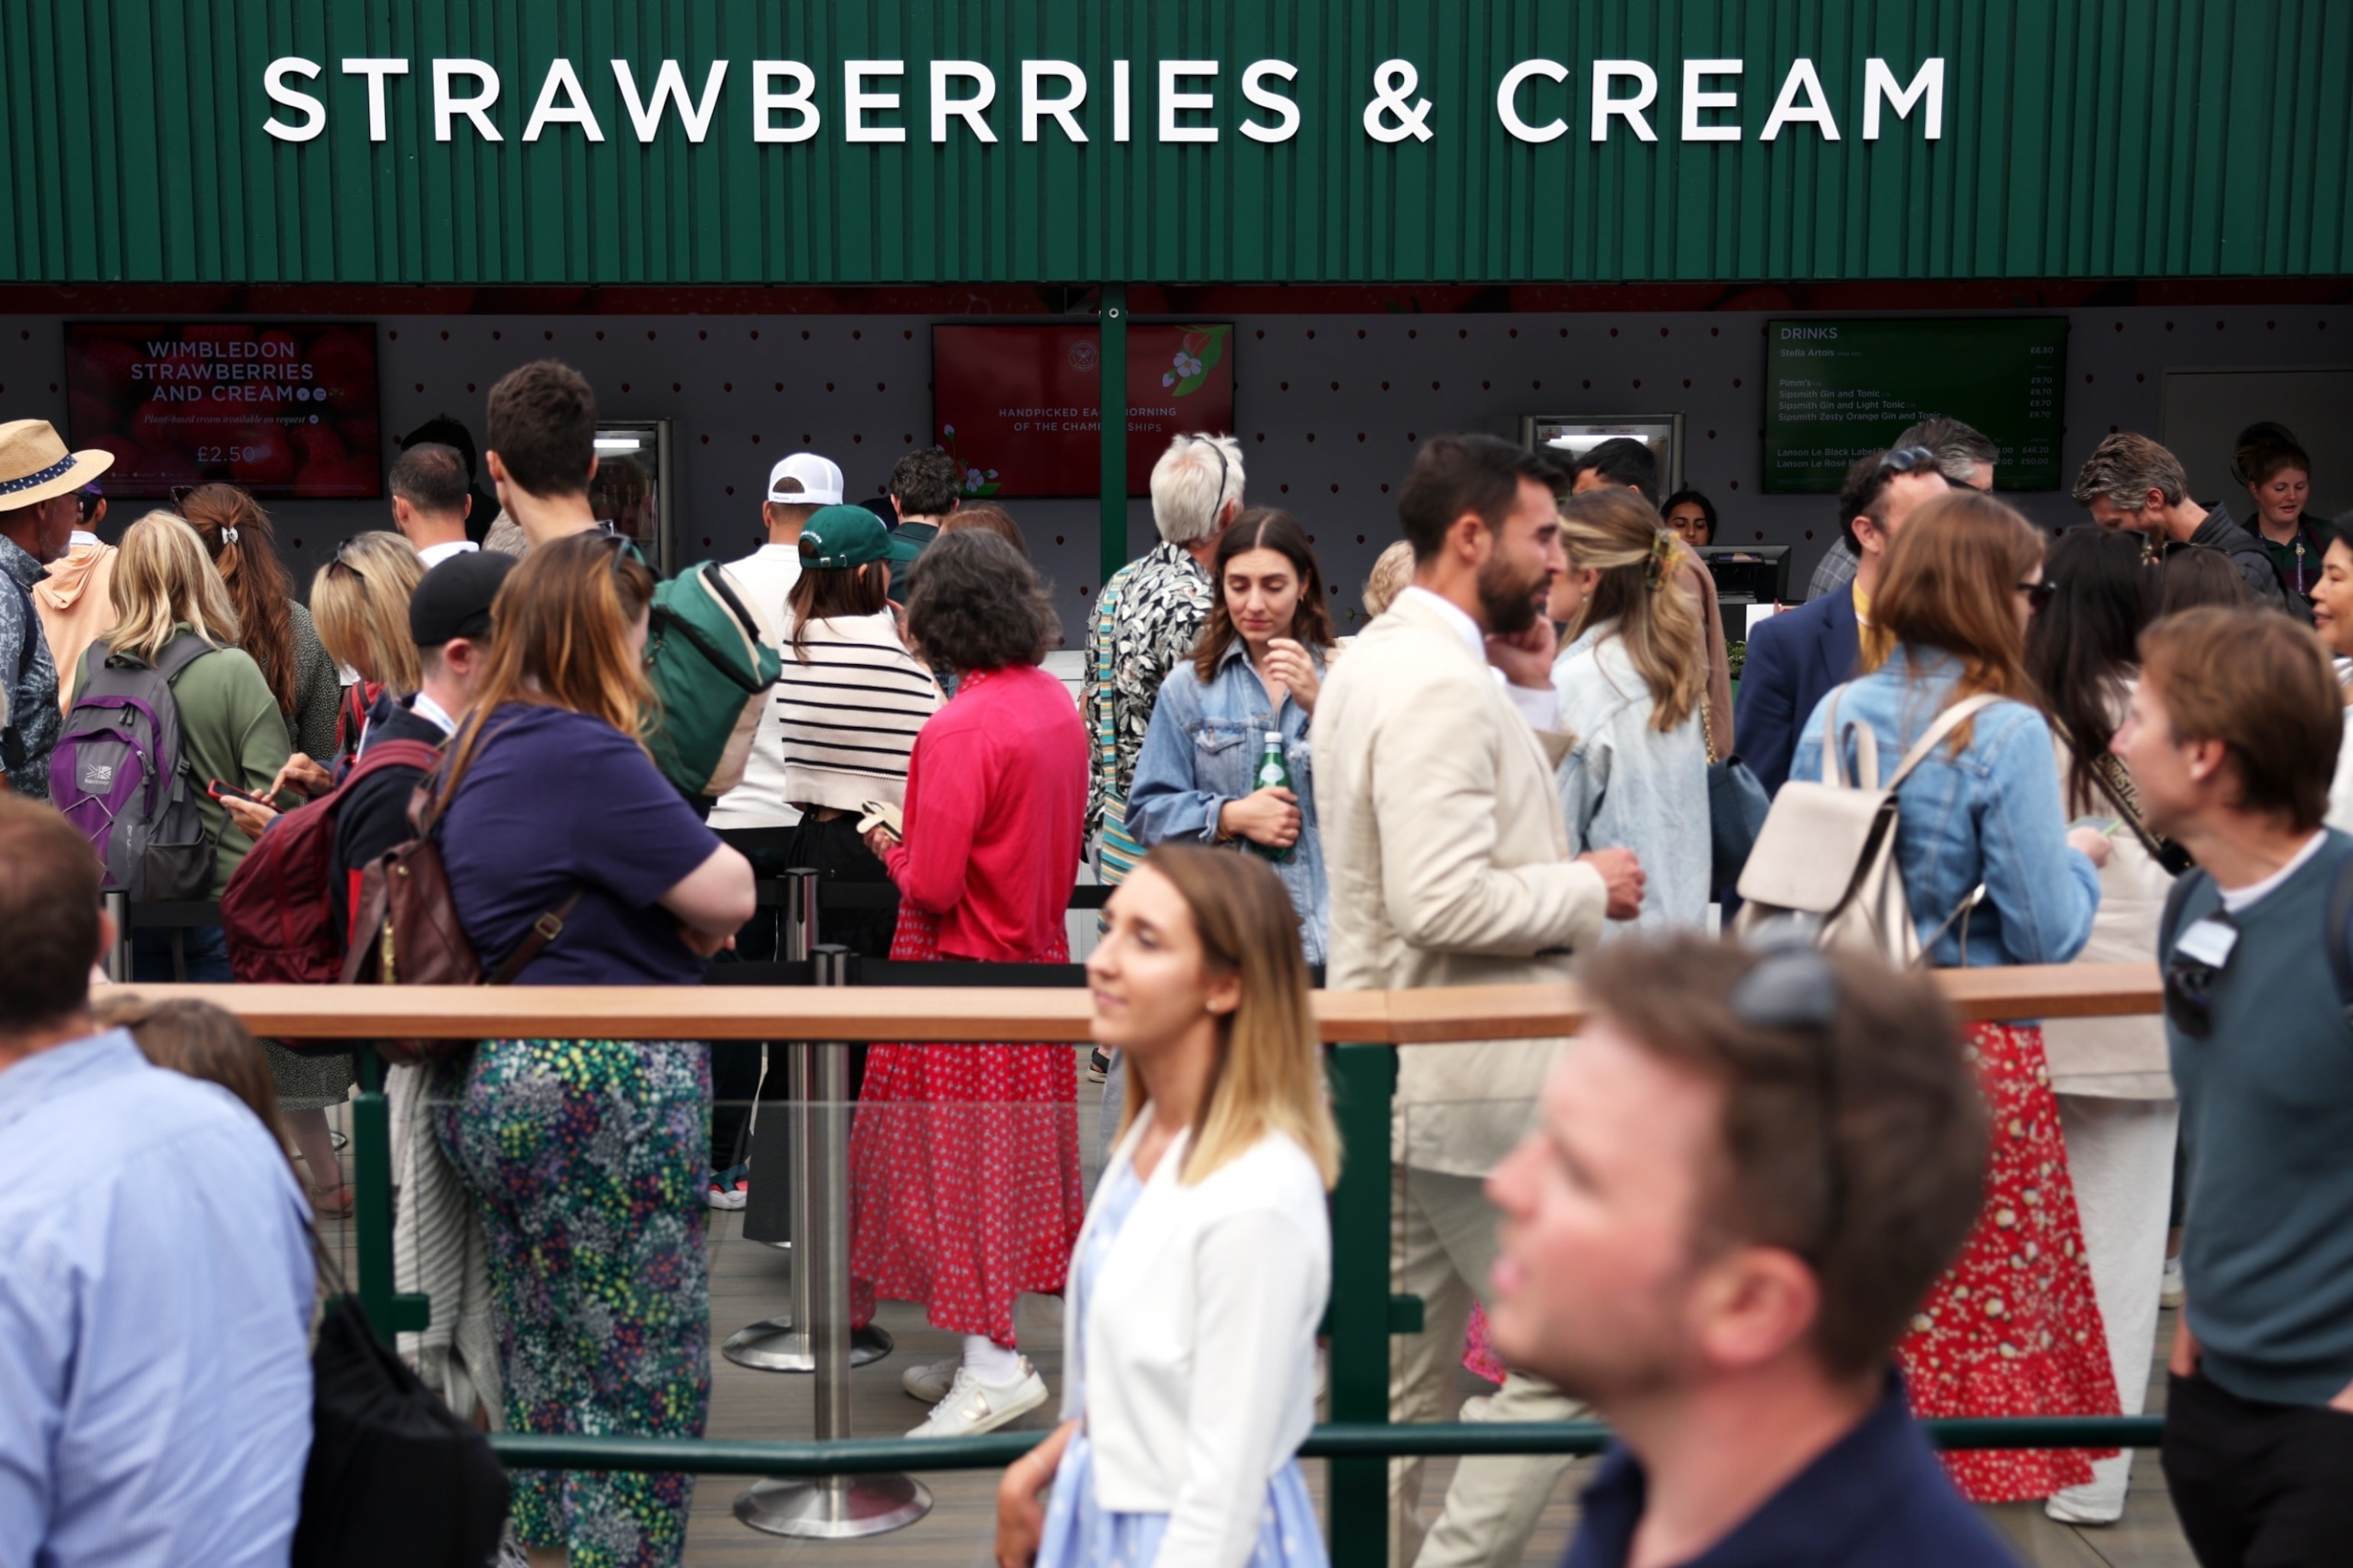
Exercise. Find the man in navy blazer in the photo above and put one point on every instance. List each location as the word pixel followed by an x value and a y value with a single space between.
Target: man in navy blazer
pixel 1796 657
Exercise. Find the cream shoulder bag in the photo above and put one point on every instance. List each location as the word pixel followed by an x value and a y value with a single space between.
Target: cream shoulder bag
pixel 1827 852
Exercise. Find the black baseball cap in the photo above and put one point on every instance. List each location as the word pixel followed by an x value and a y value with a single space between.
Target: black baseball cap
pixel 454 598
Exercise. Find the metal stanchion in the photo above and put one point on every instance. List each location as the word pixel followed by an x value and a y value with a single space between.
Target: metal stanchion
pixel 775 1344
pixel 767 1217
pixel 828 1507
pixel 118 957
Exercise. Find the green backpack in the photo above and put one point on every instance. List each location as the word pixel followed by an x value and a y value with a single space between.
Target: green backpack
pixel 711 667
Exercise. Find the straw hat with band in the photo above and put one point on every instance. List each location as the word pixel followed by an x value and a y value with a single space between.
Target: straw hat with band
pixel 36 466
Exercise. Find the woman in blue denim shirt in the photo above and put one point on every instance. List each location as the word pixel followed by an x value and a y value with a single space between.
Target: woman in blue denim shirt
pixel 1257 670
pixel 2011 1328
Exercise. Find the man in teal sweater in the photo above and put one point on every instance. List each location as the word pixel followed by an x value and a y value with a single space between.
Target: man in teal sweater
pixel 2232 741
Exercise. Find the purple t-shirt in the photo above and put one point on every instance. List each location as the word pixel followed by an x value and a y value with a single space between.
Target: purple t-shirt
pixel 556 800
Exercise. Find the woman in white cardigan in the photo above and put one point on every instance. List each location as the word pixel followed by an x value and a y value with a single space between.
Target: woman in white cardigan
pixel 1202 1270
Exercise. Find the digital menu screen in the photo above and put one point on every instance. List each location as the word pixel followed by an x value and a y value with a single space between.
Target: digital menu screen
pixel 286 410
pixel 1016 406
pixel 1837 389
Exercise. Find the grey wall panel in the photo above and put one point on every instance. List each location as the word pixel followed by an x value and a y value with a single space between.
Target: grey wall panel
pixel 1330 408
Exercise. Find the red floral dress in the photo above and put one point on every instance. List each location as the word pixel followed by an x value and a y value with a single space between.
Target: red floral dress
pixel 2011 1328
pixel 964 1188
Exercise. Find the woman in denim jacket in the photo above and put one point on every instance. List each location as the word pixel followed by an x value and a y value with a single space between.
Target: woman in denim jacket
pixel 1994 876
pixel 1256 670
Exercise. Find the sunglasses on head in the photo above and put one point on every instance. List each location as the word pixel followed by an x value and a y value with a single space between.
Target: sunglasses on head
pixel 1216 447
pixel 341 563
pixel 2039 594
pixel 1907 460
pixel 1791 990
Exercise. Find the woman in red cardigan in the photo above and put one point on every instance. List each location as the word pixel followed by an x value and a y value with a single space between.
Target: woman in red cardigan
pixel 965 1184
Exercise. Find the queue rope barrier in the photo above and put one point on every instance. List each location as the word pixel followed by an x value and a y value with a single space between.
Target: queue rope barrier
pixel 791 1000
pixel 1328 1440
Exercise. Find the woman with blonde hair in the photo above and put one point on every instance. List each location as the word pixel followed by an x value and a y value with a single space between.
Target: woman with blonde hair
pixel 1202 1270
pixel 169 605
pixel 1994 875
pixel 271 627
pixel 1633 690
pixel 168 600
pixel 573 861
pixel 359 602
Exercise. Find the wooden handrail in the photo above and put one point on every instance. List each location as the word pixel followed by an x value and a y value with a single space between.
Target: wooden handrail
pixel 886 1012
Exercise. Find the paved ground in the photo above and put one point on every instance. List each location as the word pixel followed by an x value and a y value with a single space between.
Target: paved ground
pixel 751 1281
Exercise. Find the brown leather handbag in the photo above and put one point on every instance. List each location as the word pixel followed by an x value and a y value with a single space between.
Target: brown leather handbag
pixel 405 930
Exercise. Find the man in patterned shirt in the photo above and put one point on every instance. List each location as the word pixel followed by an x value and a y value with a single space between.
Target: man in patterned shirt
pixel 1148 616
pixel 37 512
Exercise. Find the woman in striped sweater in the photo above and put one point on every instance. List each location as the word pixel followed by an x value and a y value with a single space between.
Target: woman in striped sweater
pixel 849 704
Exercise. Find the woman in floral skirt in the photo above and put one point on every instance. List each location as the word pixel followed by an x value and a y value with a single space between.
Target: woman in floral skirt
pixel 965 1184
pixel 1994 876
pixel 585 1157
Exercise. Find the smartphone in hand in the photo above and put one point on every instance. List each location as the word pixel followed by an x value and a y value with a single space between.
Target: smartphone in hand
pixel 221 789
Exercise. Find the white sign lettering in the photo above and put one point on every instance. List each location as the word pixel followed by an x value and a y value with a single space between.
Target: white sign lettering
pixel 1623 93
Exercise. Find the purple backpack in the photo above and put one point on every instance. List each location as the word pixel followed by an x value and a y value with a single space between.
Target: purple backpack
pixel 118 775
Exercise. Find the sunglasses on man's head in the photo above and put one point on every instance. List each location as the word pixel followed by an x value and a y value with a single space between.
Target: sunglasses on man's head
pixel 1907 460
pixel 1791 989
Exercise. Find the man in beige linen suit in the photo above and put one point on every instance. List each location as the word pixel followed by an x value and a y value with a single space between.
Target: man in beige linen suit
pixel 1450 865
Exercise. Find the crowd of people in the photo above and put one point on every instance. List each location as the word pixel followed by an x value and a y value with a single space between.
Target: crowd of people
pixel 1775 1201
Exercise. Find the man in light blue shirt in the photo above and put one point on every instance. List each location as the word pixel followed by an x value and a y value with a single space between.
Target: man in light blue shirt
pixel 155 1299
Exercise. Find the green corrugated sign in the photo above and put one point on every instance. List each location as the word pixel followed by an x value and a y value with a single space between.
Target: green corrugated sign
pixel 708 141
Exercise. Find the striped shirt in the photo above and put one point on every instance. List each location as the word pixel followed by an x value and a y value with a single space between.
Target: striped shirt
pixel 846 717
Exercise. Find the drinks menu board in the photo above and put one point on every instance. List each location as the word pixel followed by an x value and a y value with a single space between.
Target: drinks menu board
pixel 285 409
pixel 1837 389
pixel 1015 406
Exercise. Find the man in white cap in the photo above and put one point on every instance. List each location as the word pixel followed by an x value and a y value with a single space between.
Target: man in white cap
pixel 38 513
pixel 797 487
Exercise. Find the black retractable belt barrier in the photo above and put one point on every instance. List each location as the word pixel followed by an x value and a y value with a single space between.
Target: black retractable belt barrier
pixel 967 972
pixel 175 915
pixel 878 895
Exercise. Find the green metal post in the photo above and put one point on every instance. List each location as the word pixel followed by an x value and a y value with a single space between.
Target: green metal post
pixel 1364 1078
pixel 387 1311
pixel 1111 413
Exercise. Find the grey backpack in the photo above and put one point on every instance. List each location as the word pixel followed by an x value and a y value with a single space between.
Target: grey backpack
pixel 120 775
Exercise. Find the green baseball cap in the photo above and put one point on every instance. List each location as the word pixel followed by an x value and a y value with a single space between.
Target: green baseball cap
pixel 844 536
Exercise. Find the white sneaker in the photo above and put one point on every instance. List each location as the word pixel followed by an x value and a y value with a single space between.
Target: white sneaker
pixel 728 1198
pixel 2169 1293
pixel 930 1381
pixel 2063 1509
pixel 973 1407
